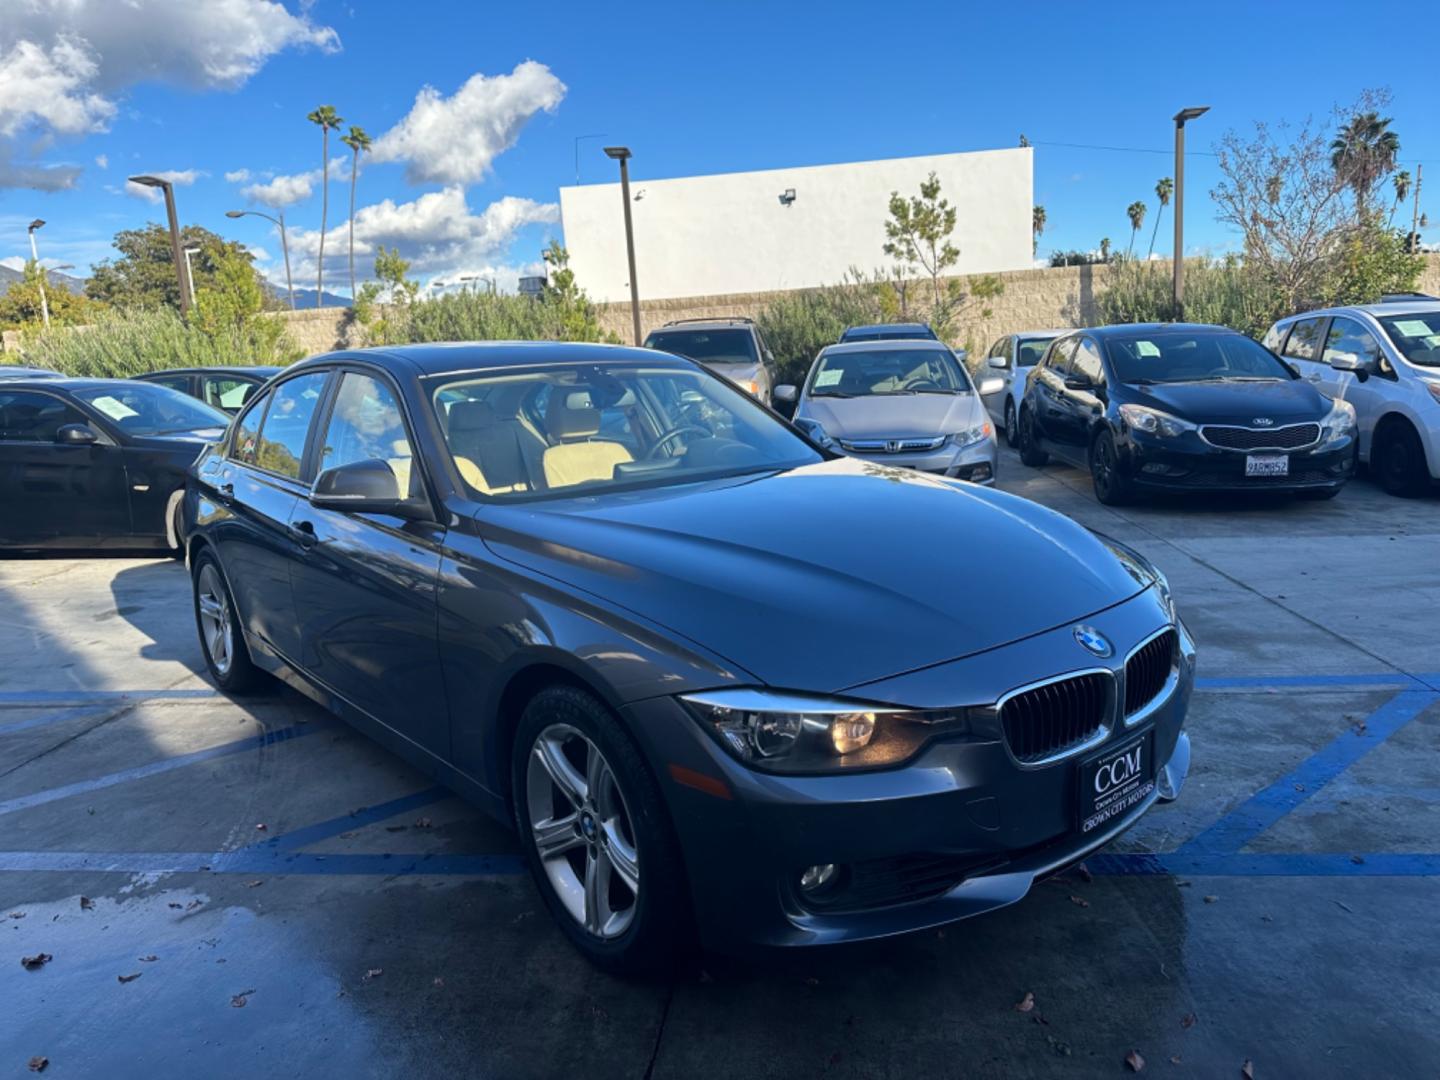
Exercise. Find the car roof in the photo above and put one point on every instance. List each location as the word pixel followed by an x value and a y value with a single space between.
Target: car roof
pixel 886 345
pixel 14 371
pixel 443 358
pixel 1041 333
pixel 1390 307
pixel 736 323
pixel 890 328
pixel 64 382
pixel 203 369
pixel 1119 329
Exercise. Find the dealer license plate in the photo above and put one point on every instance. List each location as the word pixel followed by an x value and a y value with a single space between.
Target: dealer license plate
pixel 1267 465
pixel 1116 781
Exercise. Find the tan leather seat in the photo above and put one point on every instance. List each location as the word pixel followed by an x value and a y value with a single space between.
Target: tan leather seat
pixel 486 449
pixel 573 420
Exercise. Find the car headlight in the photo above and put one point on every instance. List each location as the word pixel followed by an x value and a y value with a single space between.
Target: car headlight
pixel 1339 421
pixel 971 435
pixel 1154 422
pixel 782 732
pixel 815 430
pixel 1433 387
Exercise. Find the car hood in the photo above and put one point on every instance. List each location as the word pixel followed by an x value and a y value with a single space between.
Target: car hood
pixel 827 576
pixel 893 417
pixel 1215 402
pixel 744 371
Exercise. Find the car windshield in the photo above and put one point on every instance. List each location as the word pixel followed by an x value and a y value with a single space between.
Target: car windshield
pixel 139 408
pixel 731 346
pixel 862 373
pixel 1417 336
pixel 1031 350
pixel 589 428
pixel 1181 357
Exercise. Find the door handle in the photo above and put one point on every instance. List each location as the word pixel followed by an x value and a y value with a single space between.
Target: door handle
pixel 227 489
pixel 303 532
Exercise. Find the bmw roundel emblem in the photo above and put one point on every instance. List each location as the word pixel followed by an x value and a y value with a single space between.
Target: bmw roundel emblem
pixel 1093 641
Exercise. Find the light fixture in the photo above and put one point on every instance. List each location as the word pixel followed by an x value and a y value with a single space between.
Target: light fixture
pixel 787 196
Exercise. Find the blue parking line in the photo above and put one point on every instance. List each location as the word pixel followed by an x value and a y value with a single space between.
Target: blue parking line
pixel 30 698
pixel 1270 804
pixel 80 712
pixel 154 768
pixel 252 862
pixel 1398 680
pixel 367 815
pixel 1179 863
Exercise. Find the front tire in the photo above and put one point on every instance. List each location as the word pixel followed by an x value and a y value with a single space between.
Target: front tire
pixel 1012 437
pixel 1030 452
pixel 1397 460
pixel 1112 487
pixel 597 835
pixel 221 638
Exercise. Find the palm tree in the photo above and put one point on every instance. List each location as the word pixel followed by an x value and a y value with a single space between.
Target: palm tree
pixel 325 117
pixel 1105 249
pixel 1364 152
pixel 358 141
pixel 1037 226
pixel 1136 212
pixel 1163 187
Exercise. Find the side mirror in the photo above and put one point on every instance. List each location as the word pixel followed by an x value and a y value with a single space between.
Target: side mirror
pixel 76 435
pixel 365 487
pixel 1348 361
pixel 786 393
pixel 1078 382
pixel 991 386
pixel 1000 363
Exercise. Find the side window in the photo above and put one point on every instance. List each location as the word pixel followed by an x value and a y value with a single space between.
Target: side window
pixel 1059 359
pixel 1087 362
pixel 26 416
pixel 247 432
pixel 282 437
pixel 1304 341
pixel 174 382
pixel 1274 336
pixel 225 391
pixel 366 425
pixel 1348 336
pixel 1009 352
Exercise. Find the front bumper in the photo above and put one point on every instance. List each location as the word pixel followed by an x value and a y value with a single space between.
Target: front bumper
pixel 976 463
pixel 1189 464
pixel 962 808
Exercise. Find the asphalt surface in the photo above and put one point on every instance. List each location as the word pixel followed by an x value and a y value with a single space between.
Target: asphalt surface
pixel 295 901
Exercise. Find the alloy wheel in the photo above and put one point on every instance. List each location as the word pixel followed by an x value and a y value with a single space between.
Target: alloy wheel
pixel 583 831
pixel 215 624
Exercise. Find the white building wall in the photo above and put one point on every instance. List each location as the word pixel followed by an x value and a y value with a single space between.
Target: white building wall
pixel 703 235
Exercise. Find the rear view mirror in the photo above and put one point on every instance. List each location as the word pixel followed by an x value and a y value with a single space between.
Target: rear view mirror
pixel 1001 363
pixel 76 435
pixel 786 393
pixel 365 487
pixel 991 386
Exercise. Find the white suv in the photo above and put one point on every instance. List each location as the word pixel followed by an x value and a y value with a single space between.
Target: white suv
pixel 1384 359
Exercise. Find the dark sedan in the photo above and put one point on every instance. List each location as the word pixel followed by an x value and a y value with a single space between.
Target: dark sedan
pixel 96 463
pixel 227 388
pixel 1177 407
pixel 10 371
pixel 700 663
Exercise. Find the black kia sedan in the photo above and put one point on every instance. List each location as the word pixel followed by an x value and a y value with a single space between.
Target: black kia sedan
pixel 1176 407
pixel 96 463
pixel 224 387
pixel 699 663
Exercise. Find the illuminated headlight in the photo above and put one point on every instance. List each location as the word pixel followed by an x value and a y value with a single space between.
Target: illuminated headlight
pixel 1340 421
pixel 791 733
pixel 814 429
pixel 1154 422
pixel 971 435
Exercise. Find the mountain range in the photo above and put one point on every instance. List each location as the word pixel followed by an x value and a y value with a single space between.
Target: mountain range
pixel 76 285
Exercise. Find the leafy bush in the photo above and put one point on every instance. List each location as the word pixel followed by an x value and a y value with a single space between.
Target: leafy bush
pixel 123 343
pixel 798 324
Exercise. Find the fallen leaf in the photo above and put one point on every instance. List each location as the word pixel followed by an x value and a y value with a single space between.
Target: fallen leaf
pixel 1247 1070
pixel 1211 899
pixel 437 981
pixel 1358 860
pixel 254 884
pixel 16 915
pixel 128 978
pixel 149 959
pixel 34 963
pixel 238 1001
pixel 38 1063
pixel 1299 787
pixel 1174 1059
pixel 86 904
pixel 374 973
pixel 422 823
pixel 260 827
pixel 1079 901
pixel 1026 1003
pixel 193 904
pixel 1134 1061
pixel 1085 874
pixel 1189 1020
pixel 174 905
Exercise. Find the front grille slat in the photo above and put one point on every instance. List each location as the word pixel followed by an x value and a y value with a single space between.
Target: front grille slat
pixel 1289 437
pixel 1048 720
pixel 1147 670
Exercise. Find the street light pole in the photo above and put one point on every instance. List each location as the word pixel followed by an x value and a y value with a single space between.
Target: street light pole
pixel 622 155
pixel 284 244
pixel 1179 257
pixel 39 272
pixel 181 276
pixel 190 271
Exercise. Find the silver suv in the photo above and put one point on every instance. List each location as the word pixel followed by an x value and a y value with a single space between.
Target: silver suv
pixel 1384 359
pixel 732 348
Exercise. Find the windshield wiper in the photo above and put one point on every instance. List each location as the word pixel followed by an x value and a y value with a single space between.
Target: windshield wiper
pixel 830 393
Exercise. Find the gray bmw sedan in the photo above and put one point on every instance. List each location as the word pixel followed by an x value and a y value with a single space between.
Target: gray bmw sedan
pixel 695 659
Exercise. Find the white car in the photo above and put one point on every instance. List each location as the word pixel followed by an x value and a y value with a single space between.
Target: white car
pixel 1384 359
pixel 1011 359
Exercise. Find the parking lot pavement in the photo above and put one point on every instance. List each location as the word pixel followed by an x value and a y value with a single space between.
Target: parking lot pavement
pixel 295 901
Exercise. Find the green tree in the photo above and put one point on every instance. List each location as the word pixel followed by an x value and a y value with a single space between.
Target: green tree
pixel 327 120
pixel 1037 227
pixel 1136 212
pixel 20 306
pixel 359 142
pixel 233 295
pixel 918 233
pixel 1164 187
pixel 144 274
pixel 1105 249
pixel 1363 153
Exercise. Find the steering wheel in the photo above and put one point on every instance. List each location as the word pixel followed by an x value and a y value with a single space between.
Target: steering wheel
pixel 914 384
pixel 675 433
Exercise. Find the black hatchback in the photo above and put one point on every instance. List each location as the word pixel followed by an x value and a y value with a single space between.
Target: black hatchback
pixel 1176 407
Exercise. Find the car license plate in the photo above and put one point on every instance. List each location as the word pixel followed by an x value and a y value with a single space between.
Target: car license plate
pixel 1116 781
pixel 1267 465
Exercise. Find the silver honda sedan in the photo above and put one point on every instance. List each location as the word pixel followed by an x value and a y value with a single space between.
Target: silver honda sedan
pixel 904 403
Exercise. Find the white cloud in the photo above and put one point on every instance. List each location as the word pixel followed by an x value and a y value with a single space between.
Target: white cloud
pixel 436 232
pixel 281 191
pixel 102 161
pixel 63 61
pixel 239 176
pixel 454 140
pixel 178 177
pixel 259 254
pixel 14 262
pixel 35 176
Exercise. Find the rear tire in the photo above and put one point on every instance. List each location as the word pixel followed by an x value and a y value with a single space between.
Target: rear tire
pixel 1030 453
pixel 1012 437
pixel 222 641
pixel 1112 487
pixel 612 874
pixel 1397 460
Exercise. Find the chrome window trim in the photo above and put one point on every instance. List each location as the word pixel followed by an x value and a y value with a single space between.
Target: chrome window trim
pixel 882 446
pixel 1268 431
pixel 1107 724
pixel 1172 681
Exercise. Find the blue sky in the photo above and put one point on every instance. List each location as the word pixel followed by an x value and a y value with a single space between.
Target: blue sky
pixel 466 180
